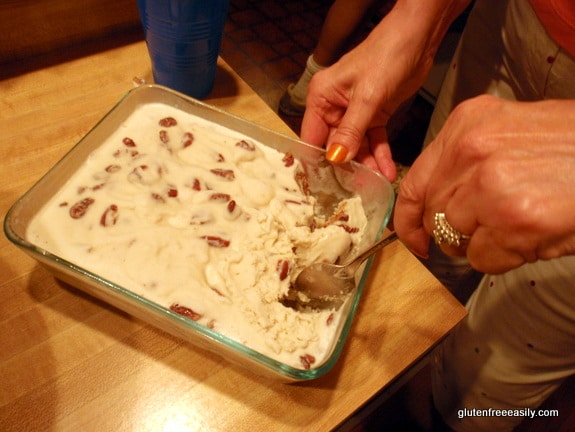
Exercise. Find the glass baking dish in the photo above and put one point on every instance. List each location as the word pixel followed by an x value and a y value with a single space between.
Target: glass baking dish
pixel 328 183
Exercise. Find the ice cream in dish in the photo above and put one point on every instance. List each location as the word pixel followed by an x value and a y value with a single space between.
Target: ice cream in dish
pixel 207 222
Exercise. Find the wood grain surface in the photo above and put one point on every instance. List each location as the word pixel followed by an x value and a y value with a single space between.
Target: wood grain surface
pixel 70 362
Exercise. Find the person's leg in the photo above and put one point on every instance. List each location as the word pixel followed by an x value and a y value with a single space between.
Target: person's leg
pixel 514 348
pixel 341 23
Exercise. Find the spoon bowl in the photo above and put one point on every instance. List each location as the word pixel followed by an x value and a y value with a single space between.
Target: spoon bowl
pixel 323 284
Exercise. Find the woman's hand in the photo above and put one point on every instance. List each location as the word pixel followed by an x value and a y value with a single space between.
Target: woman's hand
pixel 349 104
pixel 504 174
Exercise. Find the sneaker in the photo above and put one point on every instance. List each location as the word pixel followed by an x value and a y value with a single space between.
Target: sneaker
pixel 289 106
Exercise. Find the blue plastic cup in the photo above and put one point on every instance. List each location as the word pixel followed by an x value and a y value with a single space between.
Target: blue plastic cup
pixel 183 39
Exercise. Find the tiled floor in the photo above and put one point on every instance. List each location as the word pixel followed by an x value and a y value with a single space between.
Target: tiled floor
pixel 268 42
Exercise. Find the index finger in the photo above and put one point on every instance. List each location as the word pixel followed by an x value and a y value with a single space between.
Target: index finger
pixel 411 202
pixel 314 129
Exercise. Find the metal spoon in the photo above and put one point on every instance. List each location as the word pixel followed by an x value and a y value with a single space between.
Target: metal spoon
pixel 323 282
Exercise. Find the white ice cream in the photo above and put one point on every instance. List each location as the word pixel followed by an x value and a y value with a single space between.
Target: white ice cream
pixel 198 218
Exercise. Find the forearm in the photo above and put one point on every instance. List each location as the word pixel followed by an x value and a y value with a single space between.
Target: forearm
pixel 407 40
pixel 426 22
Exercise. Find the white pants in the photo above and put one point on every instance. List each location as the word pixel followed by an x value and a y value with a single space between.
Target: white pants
pixel 517 343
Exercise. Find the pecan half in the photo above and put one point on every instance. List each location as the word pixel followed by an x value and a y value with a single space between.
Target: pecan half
pixel 168 122
pixel 216 241
pixel 110 216
pixel 224 173
pixel 288 159
pixel 218 196
pixel 79 209
pixel 157 197
pixel 231 206
pixel 187 139
pixel 172 191
pixel 283 268
pixel 113 168
pixel 307 360
pixel 129 142
pixel 246 145
pixel 349 229
pixel 185 311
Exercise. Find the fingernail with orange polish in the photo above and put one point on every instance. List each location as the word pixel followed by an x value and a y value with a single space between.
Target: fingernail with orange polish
pixel 336 153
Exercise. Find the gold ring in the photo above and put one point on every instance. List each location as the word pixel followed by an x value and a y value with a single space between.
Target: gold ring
pixel 445 233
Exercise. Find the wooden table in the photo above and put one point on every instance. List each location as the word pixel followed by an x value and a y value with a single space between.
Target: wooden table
pixel 70 362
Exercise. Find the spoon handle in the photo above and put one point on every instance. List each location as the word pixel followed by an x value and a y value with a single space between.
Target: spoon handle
pixel 358 260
